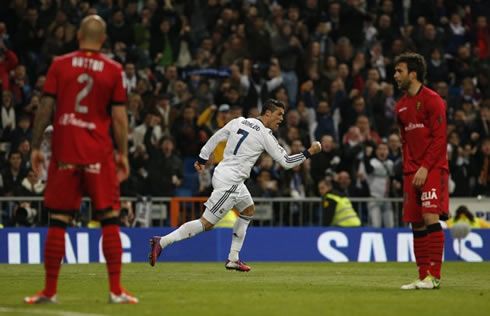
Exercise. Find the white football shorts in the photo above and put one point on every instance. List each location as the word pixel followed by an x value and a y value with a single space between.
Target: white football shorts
pixel 225 197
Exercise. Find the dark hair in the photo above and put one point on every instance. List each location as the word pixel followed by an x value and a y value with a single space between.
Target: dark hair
pixel 415 62
pixel 165 138
pixel 14 152
pixel 272 105
pixel 463 210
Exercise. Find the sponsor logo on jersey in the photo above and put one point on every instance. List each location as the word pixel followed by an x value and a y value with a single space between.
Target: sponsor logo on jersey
pixel 427 197
pixel 70 119
pixel 412 126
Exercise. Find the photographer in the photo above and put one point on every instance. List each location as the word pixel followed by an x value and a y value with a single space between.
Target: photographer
pixel 126 214
pixel 23 215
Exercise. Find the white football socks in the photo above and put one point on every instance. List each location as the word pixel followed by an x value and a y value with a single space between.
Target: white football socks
pixel 185 231
pixel 239 232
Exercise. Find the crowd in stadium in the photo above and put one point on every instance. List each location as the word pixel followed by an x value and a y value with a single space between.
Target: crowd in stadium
pixel 190 66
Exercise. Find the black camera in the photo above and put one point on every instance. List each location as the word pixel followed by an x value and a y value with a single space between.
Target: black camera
pixel 25 216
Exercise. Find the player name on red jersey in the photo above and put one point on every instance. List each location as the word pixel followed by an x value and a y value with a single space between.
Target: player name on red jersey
pixel 88 63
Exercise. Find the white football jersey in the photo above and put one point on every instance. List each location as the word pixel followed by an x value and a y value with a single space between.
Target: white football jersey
pixel 246 140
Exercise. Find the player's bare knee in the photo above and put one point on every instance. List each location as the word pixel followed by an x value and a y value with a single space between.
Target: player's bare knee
pixel 418 226
pixel 107 217
pixel 431 218
pixel 248 212
pixel 61 220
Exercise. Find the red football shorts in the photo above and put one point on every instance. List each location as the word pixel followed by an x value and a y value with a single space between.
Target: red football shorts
pixel 67 183
pixel 432 197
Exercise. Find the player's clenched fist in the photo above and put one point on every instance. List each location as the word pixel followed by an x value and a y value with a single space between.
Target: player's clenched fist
pixel 199 167
pixel 315 148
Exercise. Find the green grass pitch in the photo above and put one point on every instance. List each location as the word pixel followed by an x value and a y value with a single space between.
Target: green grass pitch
pixel 269 289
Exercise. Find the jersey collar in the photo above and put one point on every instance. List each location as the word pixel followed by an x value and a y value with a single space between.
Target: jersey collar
pixel 420 89
pixel 259 120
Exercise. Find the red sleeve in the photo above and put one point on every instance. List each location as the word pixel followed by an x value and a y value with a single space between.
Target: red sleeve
pixel 11 60
pixel 438 130
pixel 51 82
pixel 118 93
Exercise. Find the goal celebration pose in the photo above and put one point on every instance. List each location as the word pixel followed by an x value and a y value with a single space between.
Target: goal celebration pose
pixel 247 139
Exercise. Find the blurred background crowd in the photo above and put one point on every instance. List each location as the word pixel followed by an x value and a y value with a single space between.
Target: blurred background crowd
pixel 190 66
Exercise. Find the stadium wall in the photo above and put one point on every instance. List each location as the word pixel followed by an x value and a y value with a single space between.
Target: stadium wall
pixel 83 245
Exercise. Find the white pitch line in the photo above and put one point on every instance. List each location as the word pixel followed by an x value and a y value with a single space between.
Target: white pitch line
pixel 45 312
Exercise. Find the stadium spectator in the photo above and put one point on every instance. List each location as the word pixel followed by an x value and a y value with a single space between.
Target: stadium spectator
pixel 165 168
pixel 325 120
pixel 23 131
pixel 255 88
pixel 8 61
pixel 86 160
pixel 344 184
pixel 137 136
pixel 481 30
pixel 19 85
pixel 379 172
pixel 31 185
pixel 8 115
pixel 437 68
pixel 54 45
pixel 263 185
pixel 13 174
pixel 483 167
pixel 190 136
pixel 394 147
pixel 325 163
pixel 130 77
pixel 288 48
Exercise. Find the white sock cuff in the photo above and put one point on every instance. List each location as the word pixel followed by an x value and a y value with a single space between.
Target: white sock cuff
pixel 245 217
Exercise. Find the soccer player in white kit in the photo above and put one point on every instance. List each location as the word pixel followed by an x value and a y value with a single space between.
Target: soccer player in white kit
pixel 247 139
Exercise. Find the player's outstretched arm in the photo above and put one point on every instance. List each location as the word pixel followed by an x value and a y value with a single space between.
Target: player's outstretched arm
pixel 42 120
pixel 288 161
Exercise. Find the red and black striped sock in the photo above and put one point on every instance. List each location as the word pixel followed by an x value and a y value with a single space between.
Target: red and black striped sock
pixel 111 245
pixel 435 235
pixel 421 250
pixel 54 250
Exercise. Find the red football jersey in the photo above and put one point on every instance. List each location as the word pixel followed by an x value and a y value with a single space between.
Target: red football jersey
pixel 85 84
pixel 423 129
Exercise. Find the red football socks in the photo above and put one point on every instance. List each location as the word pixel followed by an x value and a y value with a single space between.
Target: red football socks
pixel 54 250
pixel 421 250
pixel 111 245
pixel 435 236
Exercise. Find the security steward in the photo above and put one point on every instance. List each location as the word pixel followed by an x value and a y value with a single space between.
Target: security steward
pixel 337 208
